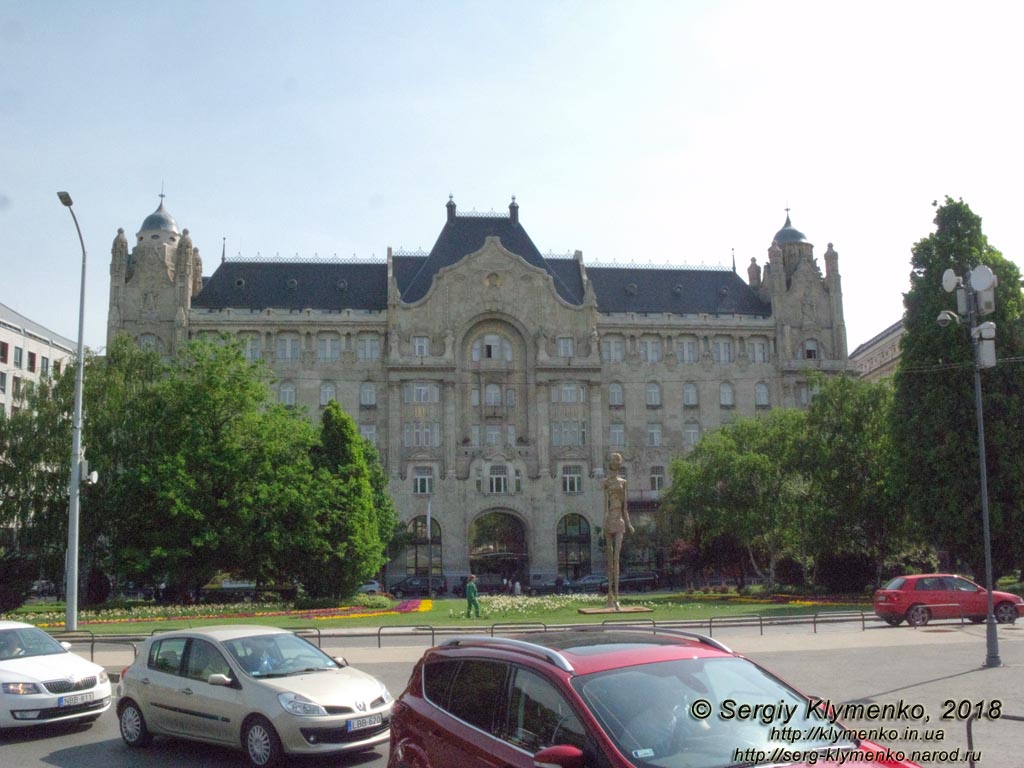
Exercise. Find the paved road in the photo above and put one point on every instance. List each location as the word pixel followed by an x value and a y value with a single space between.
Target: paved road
pixel 924 667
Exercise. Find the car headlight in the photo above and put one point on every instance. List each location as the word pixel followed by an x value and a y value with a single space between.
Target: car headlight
pixel 103 676
pixel 21 689
pixel 388 698
pixel 297 704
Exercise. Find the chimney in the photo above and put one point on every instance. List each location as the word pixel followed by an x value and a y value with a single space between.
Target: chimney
pixel 451 210
pixel 513 210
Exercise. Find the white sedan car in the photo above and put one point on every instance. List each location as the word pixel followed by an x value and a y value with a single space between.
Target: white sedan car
pixel 261 689
pixel 41 681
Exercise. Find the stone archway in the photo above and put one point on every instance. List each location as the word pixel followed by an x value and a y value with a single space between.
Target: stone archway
pixel 497 545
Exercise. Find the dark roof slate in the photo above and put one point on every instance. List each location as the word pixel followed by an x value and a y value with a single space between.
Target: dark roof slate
pixel 295 285
pixel 675 290
pixel 463 235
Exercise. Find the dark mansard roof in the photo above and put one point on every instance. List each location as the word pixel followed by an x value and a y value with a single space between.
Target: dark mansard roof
pixel 329 285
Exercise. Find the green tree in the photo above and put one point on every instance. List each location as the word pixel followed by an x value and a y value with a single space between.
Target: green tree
pixel 354 548
pixel 849 457
pixel 744 480
pixel 934 425
pixel 383 504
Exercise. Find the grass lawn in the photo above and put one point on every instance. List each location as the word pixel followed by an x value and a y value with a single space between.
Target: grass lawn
pixel 384 612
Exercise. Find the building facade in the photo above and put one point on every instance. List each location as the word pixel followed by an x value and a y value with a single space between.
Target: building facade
pixel 495 381
pixel 877 358
pixel 28 352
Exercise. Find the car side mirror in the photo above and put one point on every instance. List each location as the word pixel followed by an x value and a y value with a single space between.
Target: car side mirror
pixel 65 645
pixel 219 679
pixel 559 756
pixel 342 662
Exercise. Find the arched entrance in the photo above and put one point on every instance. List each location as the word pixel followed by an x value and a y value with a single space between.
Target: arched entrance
pixel 497 545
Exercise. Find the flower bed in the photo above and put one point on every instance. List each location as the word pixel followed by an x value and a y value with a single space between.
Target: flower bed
pixel 145 614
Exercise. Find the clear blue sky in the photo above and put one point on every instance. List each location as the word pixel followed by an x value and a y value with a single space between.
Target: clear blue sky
pixel 634 131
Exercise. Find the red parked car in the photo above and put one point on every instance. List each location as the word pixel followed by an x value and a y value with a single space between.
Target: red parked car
pixel 927 596
pixel 609 697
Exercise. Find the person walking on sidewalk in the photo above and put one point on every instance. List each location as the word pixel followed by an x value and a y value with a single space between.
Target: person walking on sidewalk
pixel 472 604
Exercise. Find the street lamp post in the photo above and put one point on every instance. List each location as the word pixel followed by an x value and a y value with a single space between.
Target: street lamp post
pixel 71 566
pixel 978 298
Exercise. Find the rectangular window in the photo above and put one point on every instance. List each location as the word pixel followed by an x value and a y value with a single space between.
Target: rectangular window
pixel 688 351
pixel 722 351
pixel 31 362
pixel 499 479
pixel 616 435
pixel 328 349
pixel 423 480
pixel 253 349
pixel 565 346
pixel 510 431
pixel 421 346
pixel 613 350
pixel 654 435
pixel 568 433
pixel 492 434
pixel 368 348
pixel 3 351
pixel 572 479
pixel 650 350
pixel 474 435
pixel 17 357
pixel 758 351
pixel 3 383
pixel 423 392
pixel 44 366
pixel 287 347
pixel 369 432
pixel 421 434
pixel 510 398
pixel 287 395
pixel 657 478
pixel 568 392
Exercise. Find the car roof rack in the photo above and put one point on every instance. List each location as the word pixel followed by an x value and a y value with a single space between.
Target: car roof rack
pixel 522 645
pixel 705 639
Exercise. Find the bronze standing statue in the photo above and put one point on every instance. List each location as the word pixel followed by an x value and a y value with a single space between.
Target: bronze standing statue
pixel 616 523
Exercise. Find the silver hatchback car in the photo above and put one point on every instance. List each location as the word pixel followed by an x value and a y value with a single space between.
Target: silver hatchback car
pixel 265 690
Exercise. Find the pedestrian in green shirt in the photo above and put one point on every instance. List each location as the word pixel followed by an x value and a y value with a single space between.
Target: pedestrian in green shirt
pixel 472 604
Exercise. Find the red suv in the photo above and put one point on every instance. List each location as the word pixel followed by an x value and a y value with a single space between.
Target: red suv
pixel 604 697
pixel 918 599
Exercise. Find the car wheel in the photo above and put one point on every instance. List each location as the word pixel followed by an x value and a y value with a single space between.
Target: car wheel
pixel 893 621
pixel 918 616
pixel 1005 613
pixel 261 743
pixel 133 725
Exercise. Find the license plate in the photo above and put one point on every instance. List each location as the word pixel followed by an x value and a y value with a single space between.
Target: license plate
pixel 69 701
pixel 364 722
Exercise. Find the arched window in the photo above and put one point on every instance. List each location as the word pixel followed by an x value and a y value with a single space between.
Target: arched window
pixel 653 395
pixel 657 478
pixel 811 351
pixel 419 559
pixel 615 398
pixel 328 392
pixel 726 397
pixel 691 433
pixel 761 395
pixel 367 394
pixel 573 544
pixel 492 394
pixel 690 395
pixel 286 394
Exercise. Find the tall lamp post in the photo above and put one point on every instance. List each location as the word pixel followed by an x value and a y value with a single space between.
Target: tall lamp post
pixel 975 299
pixel 71 566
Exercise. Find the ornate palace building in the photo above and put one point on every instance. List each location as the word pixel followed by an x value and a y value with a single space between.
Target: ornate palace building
pixel 494 380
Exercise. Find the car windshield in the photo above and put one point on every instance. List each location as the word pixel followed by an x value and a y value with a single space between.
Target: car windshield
pixel 278 655
pixel 705 713
pixel 22 642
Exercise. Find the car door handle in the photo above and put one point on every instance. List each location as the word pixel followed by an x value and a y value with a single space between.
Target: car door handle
pixel 144 681
pixel 187 691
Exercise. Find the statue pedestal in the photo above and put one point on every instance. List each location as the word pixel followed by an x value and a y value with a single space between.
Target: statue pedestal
pixel 613 611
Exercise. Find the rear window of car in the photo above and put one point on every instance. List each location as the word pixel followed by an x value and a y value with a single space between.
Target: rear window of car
pixel 896 583
pixel 166 655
